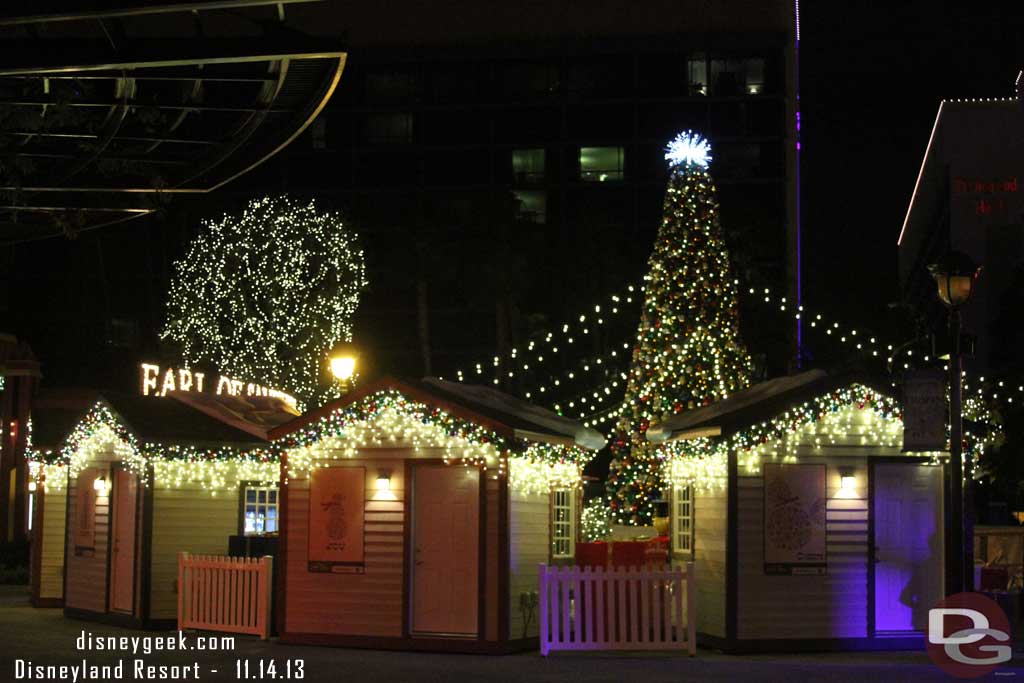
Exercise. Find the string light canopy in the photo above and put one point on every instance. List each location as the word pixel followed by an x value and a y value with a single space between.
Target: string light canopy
pixel 268 293
pixel 389 414
pixel 591 405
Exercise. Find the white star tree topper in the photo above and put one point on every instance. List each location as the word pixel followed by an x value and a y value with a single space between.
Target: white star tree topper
pixel 688 148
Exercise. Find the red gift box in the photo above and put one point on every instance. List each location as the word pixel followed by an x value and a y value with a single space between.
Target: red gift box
pixel 592 554
pixel 629 553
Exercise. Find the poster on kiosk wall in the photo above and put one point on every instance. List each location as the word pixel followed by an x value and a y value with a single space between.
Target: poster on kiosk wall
pixel 795 501
pixel 336 500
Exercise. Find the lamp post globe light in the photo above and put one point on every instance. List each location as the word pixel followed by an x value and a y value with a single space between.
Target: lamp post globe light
pixel 343 360
pixel 955 276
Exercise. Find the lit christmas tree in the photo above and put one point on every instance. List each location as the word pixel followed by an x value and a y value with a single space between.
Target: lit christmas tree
pixel 688 351
pixel 264 296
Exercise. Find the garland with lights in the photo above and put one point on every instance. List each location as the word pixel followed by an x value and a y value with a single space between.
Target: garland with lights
pixel 173 465
pixel 268 293
pixel 857 411
pixel 46 468
pixel 688 351
pixel 387 418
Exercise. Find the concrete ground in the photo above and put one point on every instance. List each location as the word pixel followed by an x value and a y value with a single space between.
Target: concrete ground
pixel 46 637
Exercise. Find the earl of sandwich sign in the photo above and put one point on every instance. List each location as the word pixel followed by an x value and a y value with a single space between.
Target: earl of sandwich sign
pixel 157 381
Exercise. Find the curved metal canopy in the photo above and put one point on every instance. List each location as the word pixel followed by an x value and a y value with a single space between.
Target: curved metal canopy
pixel 107 110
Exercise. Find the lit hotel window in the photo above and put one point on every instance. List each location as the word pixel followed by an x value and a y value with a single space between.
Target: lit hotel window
pixel 598 164
pixel 533 206
pixel 755 76
pixel 697 73
pixel 737 76
pixel 388 128
pixel 528 165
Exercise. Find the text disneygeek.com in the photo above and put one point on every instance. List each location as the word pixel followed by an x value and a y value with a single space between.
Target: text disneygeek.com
pixel 134 668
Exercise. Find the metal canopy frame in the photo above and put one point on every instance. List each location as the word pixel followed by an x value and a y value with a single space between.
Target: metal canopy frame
pixel 105 127
pixel 114 10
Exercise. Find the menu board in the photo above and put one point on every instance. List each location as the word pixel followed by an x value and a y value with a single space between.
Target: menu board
pixel 924 411
pixel 795 502
pixel 336 501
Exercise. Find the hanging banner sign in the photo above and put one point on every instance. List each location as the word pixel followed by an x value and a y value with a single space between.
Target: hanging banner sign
pixel 924 410
pixel 157 381
pixel 337 497
pixel 795 502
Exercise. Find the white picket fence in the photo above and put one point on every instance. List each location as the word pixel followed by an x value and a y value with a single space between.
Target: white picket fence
pixel 629 608
pixel 218 593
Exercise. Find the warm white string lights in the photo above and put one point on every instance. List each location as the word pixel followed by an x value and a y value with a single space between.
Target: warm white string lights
pixel 268 293
pixel 857 416
pixel 387 419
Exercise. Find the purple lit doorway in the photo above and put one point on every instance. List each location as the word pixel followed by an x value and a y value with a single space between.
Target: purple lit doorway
pixel 909 545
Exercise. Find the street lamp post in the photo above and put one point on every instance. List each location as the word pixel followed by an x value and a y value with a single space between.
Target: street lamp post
pixel 955 276
pixel 343 361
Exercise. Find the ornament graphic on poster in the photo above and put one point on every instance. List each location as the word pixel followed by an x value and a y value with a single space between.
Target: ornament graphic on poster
pixel 794 519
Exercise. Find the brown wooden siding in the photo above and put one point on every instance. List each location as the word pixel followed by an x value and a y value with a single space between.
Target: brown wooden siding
pixel 367 604
pixel 528 547
pixel 371 604
pixel 830 606
pixel 86 570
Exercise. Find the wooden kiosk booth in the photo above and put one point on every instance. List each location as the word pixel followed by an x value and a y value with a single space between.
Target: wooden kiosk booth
pixel 809 526
pixel 415 515
pixel 149 478
pixel 53 419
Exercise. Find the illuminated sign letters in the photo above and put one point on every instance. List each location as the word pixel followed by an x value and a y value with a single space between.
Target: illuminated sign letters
pixel 157 382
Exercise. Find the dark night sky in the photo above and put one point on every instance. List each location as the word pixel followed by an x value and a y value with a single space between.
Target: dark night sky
pixel 873 74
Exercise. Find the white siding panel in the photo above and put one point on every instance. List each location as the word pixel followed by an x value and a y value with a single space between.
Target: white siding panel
pixel 830 606
pixel 186 519
pixel 528 547
pixel 710 517
pixel 51 564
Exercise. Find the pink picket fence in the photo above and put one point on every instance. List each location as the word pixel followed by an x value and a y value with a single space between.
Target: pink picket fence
pixel 618 608
pixel 218 593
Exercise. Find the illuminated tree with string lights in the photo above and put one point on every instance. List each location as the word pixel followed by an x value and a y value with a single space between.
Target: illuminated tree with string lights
pixel 688 350
pixel 265 295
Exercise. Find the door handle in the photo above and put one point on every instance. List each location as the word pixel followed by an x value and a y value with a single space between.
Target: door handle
pixel 875 557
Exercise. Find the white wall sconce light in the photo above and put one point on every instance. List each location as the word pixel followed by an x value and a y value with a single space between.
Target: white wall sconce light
pixel 847 480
